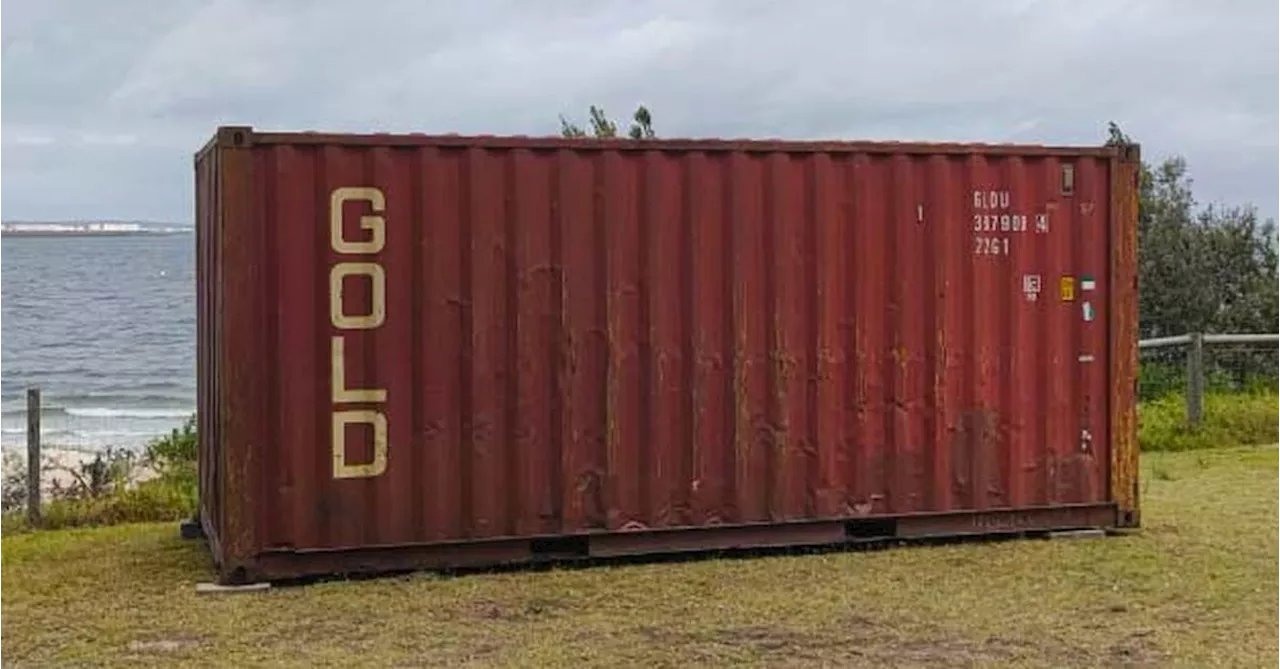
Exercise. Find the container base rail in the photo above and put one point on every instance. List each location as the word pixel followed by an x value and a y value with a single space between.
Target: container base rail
pixel 292 565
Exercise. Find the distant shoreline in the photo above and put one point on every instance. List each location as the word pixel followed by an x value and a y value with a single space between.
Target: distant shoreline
pixel 94 233
pixel 76 229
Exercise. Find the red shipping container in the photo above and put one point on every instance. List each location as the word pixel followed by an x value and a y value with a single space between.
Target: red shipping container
pixel 420 351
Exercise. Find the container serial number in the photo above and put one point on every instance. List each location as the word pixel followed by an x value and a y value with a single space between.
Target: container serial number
pixel 1000 223
pixel 990 246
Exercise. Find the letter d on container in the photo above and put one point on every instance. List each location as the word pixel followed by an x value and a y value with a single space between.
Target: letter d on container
pixel 341 419
pixel 375 225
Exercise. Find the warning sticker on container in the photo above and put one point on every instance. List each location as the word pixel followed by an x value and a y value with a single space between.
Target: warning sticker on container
pixel 1087 283
pixel 1067 288
pixel 1086 310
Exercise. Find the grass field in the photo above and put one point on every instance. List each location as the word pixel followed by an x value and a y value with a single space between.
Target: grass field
pixel 1196 588
pixel 1229 420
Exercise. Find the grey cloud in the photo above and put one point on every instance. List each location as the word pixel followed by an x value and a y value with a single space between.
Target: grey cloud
pixel 62 59
pixel 1183 77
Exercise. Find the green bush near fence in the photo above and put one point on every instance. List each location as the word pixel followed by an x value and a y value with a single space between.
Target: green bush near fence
pixel 1230 419
pixel 111 497
pixel 156 500
pixel 174 457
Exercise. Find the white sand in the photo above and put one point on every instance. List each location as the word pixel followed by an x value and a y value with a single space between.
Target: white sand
pixel 58 464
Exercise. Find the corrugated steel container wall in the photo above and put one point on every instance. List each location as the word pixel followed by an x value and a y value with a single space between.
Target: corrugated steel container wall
pixel 407 340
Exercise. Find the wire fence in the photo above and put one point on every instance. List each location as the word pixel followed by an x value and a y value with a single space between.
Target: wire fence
pixel 1235 369
pixel 1195 365
pixel 76 452
pixel 75 449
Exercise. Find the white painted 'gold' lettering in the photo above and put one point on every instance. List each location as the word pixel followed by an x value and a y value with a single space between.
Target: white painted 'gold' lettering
pixel 341 419
pixel 375 225
pixel 378 300
pixel 341 393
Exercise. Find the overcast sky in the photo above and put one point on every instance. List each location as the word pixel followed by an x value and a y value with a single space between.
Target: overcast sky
pixel 105 102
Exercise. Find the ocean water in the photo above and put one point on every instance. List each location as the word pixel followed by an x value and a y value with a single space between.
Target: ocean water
pixel 106 328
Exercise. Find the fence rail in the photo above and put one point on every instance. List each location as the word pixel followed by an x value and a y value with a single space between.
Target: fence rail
pixel 1183 340
pixel 1194 344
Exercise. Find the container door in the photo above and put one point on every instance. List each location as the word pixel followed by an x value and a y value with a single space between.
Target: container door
pixel 1040 231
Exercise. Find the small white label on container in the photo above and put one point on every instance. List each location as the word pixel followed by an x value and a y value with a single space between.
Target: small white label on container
pixel 1087 310
pixel 1031 286
pixel 1085 358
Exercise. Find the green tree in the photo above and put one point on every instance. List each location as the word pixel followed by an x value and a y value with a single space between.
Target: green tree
pixel 1210 269
pixel 603 128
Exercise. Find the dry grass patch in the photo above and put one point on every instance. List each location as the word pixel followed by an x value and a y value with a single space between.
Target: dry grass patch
pixel 1196 588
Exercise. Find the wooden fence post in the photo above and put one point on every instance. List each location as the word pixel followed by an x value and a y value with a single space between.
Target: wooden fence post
pixel 1195 380
pixel 33 456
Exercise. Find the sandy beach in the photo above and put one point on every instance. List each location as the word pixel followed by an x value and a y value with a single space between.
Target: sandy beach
pixel 58 465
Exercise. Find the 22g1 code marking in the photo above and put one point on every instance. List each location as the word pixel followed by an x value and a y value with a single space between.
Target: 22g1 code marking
pixel 991 246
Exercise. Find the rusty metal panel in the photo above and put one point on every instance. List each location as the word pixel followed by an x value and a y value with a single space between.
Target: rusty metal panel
pixel 1126 175
pixel 419 341
pixel 208 212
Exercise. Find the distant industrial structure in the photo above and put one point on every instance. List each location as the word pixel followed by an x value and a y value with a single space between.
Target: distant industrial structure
pixel 86 229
